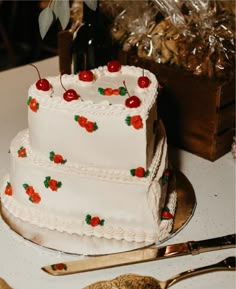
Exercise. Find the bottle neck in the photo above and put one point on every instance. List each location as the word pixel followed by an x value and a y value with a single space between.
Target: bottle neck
pixel 89 16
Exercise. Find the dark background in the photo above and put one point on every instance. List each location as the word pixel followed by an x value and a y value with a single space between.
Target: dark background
pixel 20 40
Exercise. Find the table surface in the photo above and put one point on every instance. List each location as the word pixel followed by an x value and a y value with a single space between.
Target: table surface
pixel 213 183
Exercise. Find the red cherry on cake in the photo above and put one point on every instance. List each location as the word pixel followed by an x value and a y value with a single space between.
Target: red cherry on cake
pixel 86 75
pixel 69 94
pixel 42 83
pixel 132 101
pixel 143 81
pixel 113 66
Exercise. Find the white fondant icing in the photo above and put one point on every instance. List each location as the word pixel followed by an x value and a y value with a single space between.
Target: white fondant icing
pixel 114 143
pixel 96 178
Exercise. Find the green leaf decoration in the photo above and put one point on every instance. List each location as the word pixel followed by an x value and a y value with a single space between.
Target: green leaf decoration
pixel 102 222
pixel 62 12
pixel 101 90
pixel 146 173
pixel 122 91
pixel 46 18
pixel 92 4
pixel 47 179
pixel 88 219
pixel 59 184
pixel 132 171
pixel 76 118
pixel 127 120
pixel 29 100
pixel 95 126
pixel 51 155
pixel 21 148
pixel 25 186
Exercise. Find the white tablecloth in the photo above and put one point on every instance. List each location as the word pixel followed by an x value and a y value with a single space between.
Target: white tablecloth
pixel 213 182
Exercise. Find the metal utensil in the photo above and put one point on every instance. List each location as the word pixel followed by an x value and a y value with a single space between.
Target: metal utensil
pixel 133 281
pixel 140 255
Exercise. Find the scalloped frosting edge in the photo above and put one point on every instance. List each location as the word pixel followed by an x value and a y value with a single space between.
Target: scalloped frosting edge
pixel 42 219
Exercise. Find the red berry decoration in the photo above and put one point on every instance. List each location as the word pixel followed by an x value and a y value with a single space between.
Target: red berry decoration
pixel 94 221
pixel 166 215
pixel 113 66
pixel 143 81
pixel 59 266
pixel 8 189
pixel 42 83
pixel 132 101
pixel 33 104
pixel 57 158
pixel 69 94
pixel 86 75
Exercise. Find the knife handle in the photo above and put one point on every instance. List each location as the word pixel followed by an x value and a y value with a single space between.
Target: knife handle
pixel 197 247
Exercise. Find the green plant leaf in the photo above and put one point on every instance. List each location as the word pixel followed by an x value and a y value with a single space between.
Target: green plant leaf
pixel 62 12
pixel 45 19
pixel 92 4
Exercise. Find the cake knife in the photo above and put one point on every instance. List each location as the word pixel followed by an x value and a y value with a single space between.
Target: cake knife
pixel 140 255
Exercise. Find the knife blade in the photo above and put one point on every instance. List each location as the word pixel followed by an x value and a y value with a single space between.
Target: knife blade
pixel 140 255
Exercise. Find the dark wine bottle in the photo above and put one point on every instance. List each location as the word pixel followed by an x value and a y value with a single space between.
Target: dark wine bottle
pixel 84 46
pixel 92 45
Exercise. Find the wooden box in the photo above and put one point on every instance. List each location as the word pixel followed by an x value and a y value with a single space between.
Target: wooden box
pixel 198 113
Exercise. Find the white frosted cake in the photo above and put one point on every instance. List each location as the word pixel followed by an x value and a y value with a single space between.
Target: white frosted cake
pixel 93 160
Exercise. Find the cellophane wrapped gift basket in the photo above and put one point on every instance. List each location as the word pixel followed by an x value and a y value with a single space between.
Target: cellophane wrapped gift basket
pixel 190 46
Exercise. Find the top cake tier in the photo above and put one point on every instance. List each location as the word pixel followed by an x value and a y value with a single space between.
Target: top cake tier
pixel 110 122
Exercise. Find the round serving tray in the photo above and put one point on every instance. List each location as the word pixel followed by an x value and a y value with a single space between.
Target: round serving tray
pixel 83 245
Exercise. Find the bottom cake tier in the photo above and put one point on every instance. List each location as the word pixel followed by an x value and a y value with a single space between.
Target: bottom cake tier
pixel 87 201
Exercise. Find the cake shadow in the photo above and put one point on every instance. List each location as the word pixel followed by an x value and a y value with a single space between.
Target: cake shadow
pixel 174 156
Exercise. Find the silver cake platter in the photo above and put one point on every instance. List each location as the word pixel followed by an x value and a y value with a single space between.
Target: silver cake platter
pixel 90 246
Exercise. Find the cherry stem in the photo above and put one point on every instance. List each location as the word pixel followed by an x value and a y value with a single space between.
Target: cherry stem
pixel 143 71
pixel 61 82
pixel 36 70
pixel 126 88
